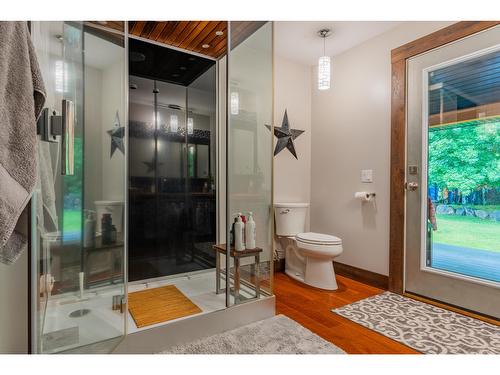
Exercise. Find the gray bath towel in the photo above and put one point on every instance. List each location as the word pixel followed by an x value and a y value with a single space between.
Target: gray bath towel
pixel 22 95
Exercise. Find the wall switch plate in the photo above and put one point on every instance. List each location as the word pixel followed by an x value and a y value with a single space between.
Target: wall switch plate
pixel 367 175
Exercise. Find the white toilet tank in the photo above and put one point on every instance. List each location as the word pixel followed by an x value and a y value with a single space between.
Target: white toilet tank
pixel 290 218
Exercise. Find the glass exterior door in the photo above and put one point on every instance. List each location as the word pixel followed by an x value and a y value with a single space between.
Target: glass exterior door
pixel 453 219
pixel 77 211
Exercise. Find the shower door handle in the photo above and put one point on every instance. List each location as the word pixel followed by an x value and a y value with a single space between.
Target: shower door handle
pixel 68 138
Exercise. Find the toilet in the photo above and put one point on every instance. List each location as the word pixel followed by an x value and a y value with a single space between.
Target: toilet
pixel 308 255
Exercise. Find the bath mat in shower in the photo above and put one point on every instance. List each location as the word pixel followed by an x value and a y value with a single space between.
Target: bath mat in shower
pixel 157 305
pixel 423 327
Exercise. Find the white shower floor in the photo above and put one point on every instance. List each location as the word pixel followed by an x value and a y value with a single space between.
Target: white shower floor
pixel 101 323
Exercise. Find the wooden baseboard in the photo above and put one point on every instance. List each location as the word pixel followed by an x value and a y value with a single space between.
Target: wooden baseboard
pixel 368 277
pixel 279 265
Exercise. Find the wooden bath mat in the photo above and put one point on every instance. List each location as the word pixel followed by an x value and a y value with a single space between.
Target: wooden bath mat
pixel 152 306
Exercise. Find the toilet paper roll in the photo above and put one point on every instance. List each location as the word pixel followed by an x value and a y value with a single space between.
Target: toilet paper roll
pixel 364 196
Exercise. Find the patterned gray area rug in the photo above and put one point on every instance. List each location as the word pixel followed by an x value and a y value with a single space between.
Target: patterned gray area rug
pixel 423 327
pixel 276 335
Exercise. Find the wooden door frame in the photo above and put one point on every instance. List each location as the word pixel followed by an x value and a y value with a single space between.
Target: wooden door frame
pixel 399 56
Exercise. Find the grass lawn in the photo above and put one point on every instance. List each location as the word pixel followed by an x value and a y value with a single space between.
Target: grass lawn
pixel 468 231
pixel 72 221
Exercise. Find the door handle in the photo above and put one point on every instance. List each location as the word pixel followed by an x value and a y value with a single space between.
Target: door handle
pixel 411 186
pixel 68 138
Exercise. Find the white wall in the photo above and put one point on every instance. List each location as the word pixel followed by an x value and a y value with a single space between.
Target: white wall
pixel 350 132
pixel 292 91
pixel 14 306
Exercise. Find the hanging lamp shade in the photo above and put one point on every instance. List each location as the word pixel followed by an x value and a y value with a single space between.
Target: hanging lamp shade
pixel 174 123
pixel 324 73
pixel 324 64
pixel 235 103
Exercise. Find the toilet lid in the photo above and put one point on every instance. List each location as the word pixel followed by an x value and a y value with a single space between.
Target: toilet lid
pixel 318 238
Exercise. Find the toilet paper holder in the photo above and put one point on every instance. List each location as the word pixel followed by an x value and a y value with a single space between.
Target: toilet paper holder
pixel 365 196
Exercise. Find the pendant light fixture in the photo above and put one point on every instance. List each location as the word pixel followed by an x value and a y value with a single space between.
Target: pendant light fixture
pixel 324 69
pixel 235 103
pixel 174 123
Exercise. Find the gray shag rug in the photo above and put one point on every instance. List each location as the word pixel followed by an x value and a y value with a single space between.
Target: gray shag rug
pixel 276 335
pixel 423 327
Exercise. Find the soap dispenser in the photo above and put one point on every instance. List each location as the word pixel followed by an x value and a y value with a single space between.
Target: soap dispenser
pixel 239 228
pixel 250 232
pixel 231 233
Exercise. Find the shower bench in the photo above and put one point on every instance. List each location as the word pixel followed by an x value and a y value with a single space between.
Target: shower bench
pixel 220 249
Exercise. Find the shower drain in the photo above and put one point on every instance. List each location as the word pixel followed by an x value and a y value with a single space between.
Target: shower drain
pixel 79 313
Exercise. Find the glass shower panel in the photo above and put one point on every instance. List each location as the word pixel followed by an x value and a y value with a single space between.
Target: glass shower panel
pixel 172 167
pixel 79 268
pixel 249 177
pixel 200 140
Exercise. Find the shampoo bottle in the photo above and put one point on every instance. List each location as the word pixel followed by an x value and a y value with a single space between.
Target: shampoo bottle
pixel 239 229
pixel 106 223
pixel 89 231
pixel 250 232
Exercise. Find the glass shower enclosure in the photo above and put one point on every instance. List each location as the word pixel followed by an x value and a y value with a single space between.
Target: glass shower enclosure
pixel 145 197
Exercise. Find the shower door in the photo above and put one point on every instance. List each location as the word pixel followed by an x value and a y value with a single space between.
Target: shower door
pixel 250 154
pixel 77 241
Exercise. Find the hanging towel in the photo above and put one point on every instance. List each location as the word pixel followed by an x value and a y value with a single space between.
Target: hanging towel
pixel 22 96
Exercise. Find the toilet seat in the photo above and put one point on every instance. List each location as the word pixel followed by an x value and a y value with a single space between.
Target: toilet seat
pixel 317 239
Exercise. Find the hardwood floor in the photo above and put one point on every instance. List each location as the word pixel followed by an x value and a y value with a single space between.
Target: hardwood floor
pixel 311 308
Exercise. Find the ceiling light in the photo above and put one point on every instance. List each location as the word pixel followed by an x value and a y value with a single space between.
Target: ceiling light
pixel 219 33
pixel 182 68
pixel 324 72
pixel 190 125
pixel 206 46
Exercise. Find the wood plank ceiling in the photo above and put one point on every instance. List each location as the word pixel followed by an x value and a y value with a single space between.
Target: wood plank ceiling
pixel 208 38
pixel 197 36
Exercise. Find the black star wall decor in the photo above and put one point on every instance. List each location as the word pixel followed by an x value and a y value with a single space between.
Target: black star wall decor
pixel 151 165
pixel 285 136
pixel 117 134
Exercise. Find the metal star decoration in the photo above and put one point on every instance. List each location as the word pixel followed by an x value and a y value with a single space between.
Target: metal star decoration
pixel 152 165
pixel 285 136
pixel 117 134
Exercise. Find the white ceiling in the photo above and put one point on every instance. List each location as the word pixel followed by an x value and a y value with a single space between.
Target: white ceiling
pixel 299 41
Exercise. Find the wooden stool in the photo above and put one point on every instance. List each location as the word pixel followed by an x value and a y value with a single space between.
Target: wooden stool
pixel 220 249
